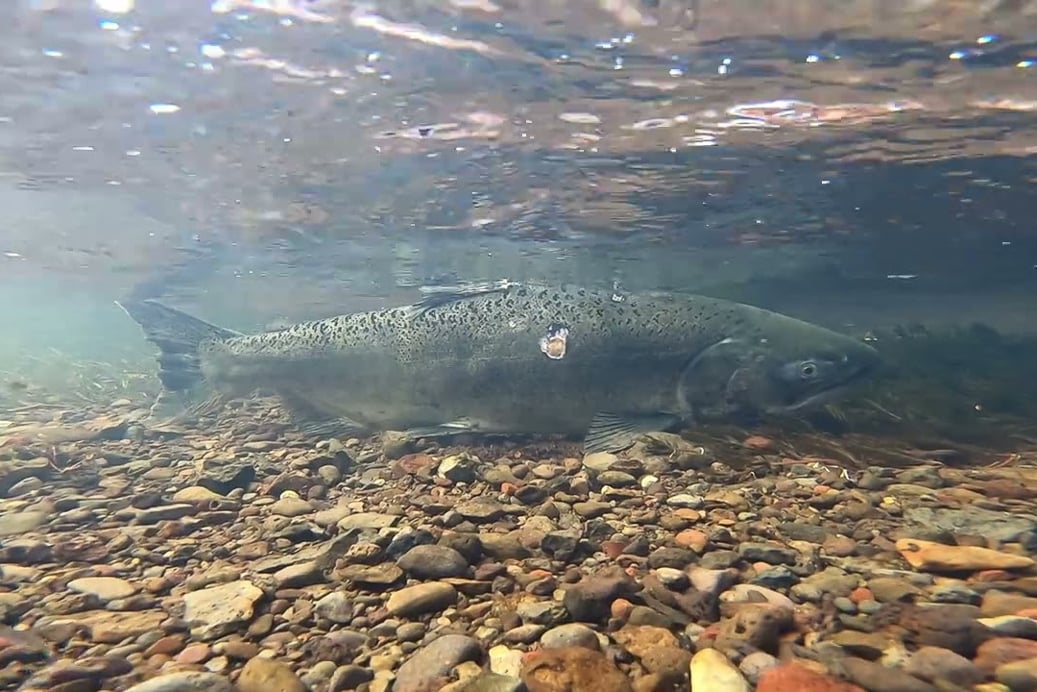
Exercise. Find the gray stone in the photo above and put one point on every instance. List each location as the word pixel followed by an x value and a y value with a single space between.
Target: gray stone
pixel 433 562
pixel 972 520
pixel 434 662
pixel 336 607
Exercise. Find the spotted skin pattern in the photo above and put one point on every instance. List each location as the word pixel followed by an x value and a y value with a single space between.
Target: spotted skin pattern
pixel 478 357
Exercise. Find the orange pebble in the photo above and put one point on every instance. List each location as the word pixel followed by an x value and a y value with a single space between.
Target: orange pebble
pixel 861 594
pixel 621 608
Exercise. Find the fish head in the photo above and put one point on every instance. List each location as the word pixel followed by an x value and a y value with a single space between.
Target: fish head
pixel 781 365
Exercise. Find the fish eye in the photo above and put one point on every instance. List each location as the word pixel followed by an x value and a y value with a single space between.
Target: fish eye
pixel 808 369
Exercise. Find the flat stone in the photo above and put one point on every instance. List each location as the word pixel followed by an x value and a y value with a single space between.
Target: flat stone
pixel 600 461
pixel 218 610
pixel 971 520
pixel 480 510
pixel 110 627
pixel 421 598
pixel 794 677
pixel 185 681
pixel 104 588
pixel 291 506
pixel 433 562
pixel 16 523
pixel 935 664
pixel 1011 626
pixel 367 520
pixel 876 677
pixel 385 574
pixel 435 661
pixel 937 557
pixel 771 553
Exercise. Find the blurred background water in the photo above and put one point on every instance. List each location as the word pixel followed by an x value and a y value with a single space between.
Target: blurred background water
pixel 862 164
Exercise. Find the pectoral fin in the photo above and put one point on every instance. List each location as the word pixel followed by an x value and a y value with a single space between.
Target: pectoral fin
pixel 338 428
pixel 312 421
pixel 454 427
pixel 614 432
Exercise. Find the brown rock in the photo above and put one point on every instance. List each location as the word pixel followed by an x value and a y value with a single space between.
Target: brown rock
pixel 656 647
pixel 573 669
pixel 937 557
pixel 942 665
pixel 876 677
pixel 195 653
pixel 794 677
pixel 166 646
pixel 756 625
pixel 110 627
pixel 949 626
pixel 268 675
pixel 997 603
pixel 996 652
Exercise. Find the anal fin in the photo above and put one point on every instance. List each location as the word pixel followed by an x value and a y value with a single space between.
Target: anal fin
pixel 614 432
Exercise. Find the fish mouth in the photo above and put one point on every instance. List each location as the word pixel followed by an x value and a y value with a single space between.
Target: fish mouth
pixel 864 368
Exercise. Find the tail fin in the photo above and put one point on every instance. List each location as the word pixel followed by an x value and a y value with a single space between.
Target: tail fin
pixel 178 336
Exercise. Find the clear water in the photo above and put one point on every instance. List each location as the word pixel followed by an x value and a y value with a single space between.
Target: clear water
pixel 867 166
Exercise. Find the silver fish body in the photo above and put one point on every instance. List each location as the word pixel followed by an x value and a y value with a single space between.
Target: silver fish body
pixel 519 359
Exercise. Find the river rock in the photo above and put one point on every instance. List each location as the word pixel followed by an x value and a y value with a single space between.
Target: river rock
pixel 421 598
pixel 104 588
pixel 217 610
pixel 185 681
pixel 574 669
pixel 434 662
pixel 793 677
pixel 711 671
pixel 433 562
pixel 267 675
pixel 937 557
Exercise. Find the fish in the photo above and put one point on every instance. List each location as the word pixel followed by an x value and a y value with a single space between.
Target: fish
pixel 517 359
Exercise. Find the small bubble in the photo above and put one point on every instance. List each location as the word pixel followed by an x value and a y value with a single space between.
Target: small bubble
pixel 212 51
pixel 812 58
pixel 107 25
pixel 163 108
pixel 988 38
pixel 957 55
pixel 1025 63
pixel 676 72
pixel 53 53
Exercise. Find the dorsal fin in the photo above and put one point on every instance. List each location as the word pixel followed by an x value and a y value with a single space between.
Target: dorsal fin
pixel 438 296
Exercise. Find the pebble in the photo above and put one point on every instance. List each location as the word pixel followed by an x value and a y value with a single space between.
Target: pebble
pixel 104 588
pixel 185 681
pixel 285 565
pixel 433 562
pixel 434 662
pixel 711 671
pixel 937 557
pixel 794 677
pixel 421 598
pixel 570 634
pixel 267 675
pixel 218 610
